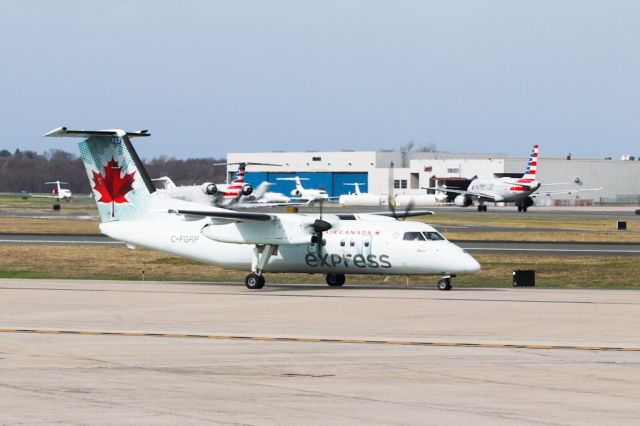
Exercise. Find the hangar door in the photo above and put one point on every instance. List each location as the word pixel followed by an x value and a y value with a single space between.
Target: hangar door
pixel 332 182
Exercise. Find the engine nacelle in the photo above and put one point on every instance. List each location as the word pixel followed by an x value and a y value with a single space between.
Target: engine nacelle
pixel 209 188
pixel 296 193
pixel 247 189
pixel 462 201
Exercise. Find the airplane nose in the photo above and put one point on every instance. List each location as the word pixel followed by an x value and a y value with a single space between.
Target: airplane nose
pixel 470 264
pixel 465 263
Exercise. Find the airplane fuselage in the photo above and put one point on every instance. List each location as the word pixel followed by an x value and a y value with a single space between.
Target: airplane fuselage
pixel 505 189
pixel 350 247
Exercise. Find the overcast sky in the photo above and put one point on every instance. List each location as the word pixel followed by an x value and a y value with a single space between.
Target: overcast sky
pixel 208 77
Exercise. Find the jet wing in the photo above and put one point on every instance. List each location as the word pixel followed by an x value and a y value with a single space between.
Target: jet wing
pixel 563 192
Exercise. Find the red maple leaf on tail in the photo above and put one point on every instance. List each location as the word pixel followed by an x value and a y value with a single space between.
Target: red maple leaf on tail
pixel 111 186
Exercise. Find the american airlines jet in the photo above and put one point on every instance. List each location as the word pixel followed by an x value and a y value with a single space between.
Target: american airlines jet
pixel 509 190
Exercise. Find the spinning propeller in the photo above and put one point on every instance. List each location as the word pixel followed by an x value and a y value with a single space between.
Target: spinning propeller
pixel 319 226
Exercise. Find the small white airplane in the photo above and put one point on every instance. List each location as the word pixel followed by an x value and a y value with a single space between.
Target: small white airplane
pixel 58 193
pixel 519 191
pixel 363 199
pixel 304 194
pixel 132 211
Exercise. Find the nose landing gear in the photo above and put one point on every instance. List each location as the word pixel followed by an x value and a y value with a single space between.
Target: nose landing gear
pixel 335 280
pixel 445 282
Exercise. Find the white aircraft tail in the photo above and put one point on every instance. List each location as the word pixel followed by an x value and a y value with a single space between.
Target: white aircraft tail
pixel 532 165
pixel 298 180
pixel 58 188
pixel 121 186
pixel 356 186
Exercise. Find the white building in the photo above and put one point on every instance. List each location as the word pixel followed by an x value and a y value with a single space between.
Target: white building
pixel 408 173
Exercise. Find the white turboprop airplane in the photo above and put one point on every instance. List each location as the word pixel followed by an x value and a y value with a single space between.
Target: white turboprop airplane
pixel 132 211
pixel 304 194
pixel 519 191
pixel 363 199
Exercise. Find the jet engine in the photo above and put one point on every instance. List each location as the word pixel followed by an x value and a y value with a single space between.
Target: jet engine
pixel 209 188
pixel 463 201
pixel 247 189
pixel 296 193
pixel 525 203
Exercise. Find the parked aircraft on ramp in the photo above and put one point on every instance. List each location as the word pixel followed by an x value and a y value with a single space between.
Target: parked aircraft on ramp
pixel 359 198
pixel 335 245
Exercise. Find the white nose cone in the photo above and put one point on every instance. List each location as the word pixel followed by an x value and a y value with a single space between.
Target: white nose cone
pixel 470 264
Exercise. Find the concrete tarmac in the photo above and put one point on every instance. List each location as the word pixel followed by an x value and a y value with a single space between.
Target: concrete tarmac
pixel 192 353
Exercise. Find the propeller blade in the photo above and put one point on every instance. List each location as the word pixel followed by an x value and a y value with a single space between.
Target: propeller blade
pixel 408 209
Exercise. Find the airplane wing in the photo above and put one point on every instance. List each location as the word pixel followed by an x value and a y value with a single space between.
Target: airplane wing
pixel 227 214
pixel 42 196
pixel 410 213
pixel 563 192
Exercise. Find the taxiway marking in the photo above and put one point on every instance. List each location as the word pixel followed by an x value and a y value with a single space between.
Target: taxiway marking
pixel 320 340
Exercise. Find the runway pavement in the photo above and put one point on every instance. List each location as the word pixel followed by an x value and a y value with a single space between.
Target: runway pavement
pixel 130 352
pixel 554 248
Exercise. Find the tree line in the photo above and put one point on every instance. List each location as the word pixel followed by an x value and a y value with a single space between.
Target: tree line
pixel 28 170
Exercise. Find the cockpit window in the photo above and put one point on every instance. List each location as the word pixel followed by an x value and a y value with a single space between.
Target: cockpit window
pixel 433 236
pixel 413 236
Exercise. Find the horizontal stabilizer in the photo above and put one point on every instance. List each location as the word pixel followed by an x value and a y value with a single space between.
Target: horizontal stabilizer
pixel 64 132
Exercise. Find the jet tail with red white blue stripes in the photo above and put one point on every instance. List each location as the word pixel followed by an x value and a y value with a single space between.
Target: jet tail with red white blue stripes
pixel 532 165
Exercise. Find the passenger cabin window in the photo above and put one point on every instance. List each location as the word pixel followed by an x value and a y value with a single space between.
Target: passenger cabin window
pixel 352 243
pixel 413 236
pixel 342 243
pixel 433 236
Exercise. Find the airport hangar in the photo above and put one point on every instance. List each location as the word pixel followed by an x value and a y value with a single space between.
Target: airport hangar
pixel 409 172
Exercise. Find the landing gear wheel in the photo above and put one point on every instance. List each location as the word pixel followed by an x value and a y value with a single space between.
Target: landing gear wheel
pixel 484 208
pixel 254 281
pixel 444 284
pixel 524 209
pixel 479 208
pixel 519 208
pixel 335 280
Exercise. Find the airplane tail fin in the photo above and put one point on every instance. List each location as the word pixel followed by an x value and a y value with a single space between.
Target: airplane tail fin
pixel 532 165
pixel 239 178
pixel 121 186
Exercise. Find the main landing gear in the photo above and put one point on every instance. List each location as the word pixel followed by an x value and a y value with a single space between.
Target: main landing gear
pixel 261 255
pixel 335 280
pixel 445 282
pixel 482 208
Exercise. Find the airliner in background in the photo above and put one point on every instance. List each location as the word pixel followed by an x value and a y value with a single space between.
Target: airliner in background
pixel 223 194
pixel 520 191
